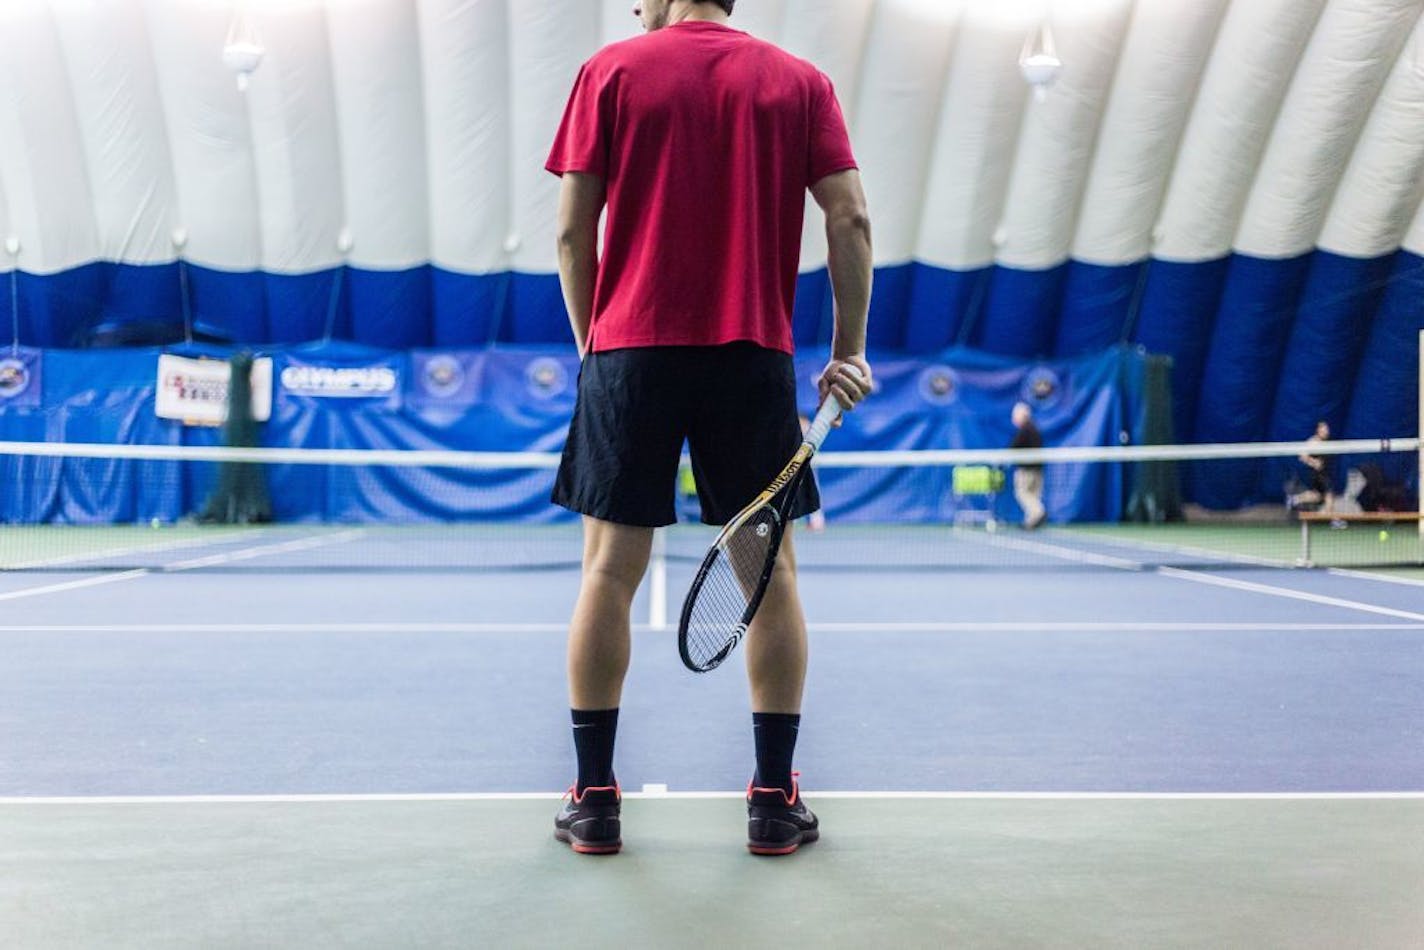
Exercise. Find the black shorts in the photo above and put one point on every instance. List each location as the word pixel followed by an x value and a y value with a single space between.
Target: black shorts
pixel 735 405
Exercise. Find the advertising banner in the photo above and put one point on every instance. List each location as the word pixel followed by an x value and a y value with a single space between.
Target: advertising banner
pixel 195 391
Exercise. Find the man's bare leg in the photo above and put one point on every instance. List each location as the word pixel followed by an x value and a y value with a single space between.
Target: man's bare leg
pixel 776 642
pixel 615 557
pixel 778 821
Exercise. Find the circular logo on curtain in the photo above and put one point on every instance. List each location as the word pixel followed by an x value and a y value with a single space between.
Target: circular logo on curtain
pixel 443 376
pixel 547 377
pixel 14 377
pixel 1042 388
pixel 939 385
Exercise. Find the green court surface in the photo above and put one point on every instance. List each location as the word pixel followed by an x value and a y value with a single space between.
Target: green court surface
pixel 1395 549
pixel 912 872
pixel 39 546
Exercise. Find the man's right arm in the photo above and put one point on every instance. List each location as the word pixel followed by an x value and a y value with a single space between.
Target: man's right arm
pixel 581 199
pixel 842 198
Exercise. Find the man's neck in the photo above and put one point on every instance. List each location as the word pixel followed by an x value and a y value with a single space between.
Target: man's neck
pixel 685 10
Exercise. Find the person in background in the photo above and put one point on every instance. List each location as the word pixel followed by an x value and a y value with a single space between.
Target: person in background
pixel 1028 479
pixel 1319 490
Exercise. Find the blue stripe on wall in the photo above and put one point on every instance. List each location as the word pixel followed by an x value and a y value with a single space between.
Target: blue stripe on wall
pixel 1386 397
pixel 1318 373
pixel 1331 327
pixel 1021 313
pixel 57 309
pixel 299 306
pixel 941 305
pixel 463 306
pixel 1258 305
pixel 1097 304
pixel 812 316
pixel 1240 371
pixel 1177 313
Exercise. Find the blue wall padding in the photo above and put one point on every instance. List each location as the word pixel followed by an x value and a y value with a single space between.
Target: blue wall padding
pixel 56 309
pixel 1097 302
pixel 889 306
pixel 1331 327
pixel 534 311
pixel 811 317
pixel 1318 372
pixel 228 305
pixel 1226 323
pixel 1386 397
pixel 464 306
pixel 1258 305
pixel 513 397
pixel 143 294
pixel 1020 315
pixel 1175 319
pixel 390 308
pixel 300 305
pixel 940 302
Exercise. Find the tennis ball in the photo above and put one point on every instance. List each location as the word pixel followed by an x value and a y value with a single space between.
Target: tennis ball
pixel 1383 535
pixel 155 523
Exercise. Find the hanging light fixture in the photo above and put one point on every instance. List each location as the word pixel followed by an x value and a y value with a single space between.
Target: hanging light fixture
pixel 243 51
pixel 1039 61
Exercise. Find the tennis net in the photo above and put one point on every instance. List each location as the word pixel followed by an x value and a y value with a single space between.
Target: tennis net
pixel 72 506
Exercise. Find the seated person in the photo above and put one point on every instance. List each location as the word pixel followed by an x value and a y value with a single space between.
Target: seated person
pixel 1318 491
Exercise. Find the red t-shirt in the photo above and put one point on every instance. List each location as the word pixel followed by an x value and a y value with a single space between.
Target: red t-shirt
pixel 707 139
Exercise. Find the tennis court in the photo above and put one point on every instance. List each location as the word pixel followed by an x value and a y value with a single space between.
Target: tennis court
pixel 1077 750
pixel 1115 591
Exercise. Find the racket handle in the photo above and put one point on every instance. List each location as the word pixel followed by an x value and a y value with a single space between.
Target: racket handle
pixel 826 417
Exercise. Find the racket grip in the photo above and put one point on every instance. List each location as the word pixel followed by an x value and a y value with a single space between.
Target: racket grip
pixel 826 417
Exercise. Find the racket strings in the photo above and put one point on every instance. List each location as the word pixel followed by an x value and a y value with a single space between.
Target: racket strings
pixel 716 619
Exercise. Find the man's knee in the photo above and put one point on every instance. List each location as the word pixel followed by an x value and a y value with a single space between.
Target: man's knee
pixel 615 555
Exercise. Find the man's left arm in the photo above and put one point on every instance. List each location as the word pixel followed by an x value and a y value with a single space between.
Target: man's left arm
pixel 581 198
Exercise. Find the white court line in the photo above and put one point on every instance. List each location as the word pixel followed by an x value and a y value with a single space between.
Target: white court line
pixel 1370 576
pixel 1058 551
pixel 847 796
pixel 958 626
pixel 158 548
pixel 1287 593
pixel 316 628
pixel 73 585
pixel 1210 555
pixel 262 550
pixel 658 583
pixel 963 626
pixel 242 554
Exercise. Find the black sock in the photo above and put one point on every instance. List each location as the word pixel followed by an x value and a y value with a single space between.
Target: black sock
pixel 594 731
pixel 775 735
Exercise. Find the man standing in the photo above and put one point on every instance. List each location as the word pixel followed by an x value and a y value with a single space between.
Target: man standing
pixel 701 142
pixel 1028 479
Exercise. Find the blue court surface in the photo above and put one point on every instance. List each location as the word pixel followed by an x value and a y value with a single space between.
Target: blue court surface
pixel 1081 756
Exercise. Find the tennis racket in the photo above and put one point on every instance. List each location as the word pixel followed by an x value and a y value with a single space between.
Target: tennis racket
pixel 737 569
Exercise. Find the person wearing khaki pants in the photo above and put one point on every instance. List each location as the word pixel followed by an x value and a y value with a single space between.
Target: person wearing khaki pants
pixel 1028 479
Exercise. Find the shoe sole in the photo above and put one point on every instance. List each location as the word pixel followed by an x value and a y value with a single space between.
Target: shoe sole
pixel 780 848
pixel 587 847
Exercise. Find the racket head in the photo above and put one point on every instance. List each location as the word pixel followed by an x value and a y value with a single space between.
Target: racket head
pixel 730 585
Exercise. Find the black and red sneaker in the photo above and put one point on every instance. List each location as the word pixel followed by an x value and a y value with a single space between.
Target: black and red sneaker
pixel 778 823
pixel 589 822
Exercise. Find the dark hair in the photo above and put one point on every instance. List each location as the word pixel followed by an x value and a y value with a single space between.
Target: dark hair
pixel 726 5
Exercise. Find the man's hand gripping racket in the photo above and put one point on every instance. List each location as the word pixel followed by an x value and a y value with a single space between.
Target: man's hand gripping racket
pixel 737 570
